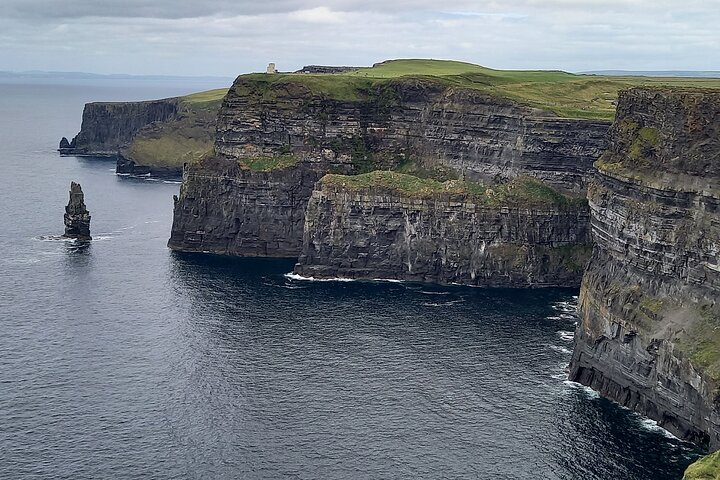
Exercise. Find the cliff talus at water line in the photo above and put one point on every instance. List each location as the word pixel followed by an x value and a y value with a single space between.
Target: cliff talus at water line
pixel 649 336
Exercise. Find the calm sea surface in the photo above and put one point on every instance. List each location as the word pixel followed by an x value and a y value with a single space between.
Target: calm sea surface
pixel 123 360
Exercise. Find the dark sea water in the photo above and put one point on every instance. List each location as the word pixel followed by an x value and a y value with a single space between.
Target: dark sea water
pixel 123 360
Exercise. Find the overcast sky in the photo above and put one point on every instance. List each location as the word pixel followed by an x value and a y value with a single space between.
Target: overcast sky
pixel 228 37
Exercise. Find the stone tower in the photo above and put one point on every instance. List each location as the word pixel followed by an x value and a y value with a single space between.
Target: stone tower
pixel 77 217
pixel 271 68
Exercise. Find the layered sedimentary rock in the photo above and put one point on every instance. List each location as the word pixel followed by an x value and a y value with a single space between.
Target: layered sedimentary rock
pixel 372 126
pixel 376 232
pixel 154 137
pixel 227 208
pixel 77 216
pixel 108 127
pixel 649 299
pixel 477 135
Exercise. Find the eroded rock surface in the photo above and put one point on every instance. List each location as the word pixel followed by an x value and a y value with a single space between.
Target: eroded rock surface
pixel 373 234
pixel 226 208
pixel 649 299
pixel 77 216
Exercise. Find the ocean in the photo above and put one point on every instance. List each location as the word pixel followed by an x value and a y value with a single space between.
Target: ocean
pixel 125 360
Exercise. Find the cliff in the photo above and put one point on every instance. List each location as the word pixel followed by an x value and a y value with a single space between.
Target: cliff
pixel 394 226
pixel 350 124
pixel 648 336
pixel 155 137
pixel 108 127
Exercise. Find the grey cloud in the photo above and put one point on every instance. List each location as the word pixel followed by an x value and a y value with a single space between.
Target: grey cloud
pixel 229 37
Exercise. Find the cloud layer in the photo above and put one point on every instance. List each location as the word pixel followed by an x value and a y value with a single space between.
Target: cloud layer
pixel 226 37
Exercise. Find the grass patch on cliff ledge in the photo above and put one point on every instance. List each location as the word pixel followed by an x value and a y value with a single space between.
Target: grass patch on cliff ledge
pixel 267 163
pixel 565 94
pixel 521 191
pixel 185 139
pixel 707 468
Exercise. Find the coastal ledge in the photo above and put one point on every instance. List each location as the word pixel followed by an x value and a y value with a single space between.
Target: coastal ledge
pixel 395 226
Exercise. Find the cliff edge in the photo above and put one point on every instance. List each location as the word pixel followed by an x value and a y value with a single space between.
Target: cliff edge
pixel 650 320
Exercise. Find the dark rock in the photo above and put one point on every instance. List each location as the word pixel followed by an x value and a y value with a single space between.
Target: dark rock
pixel 224 209
pixel 649 297
pixel 108 127
pixel 77 217
pixel 372 234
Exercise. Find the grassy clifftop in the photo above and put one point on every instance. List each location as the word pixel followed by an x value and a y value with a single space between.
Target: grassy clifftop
pixel 565 94
pixel 187 138
pixel 521 191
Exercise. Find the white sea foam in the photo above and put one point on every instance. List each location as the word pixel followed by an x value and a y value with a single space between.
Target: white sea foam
pixel 586 390
pixel 295 276
pixel 653 426
pixel 434 293
pixel 566 336
pixel 560 349
pixel 443 304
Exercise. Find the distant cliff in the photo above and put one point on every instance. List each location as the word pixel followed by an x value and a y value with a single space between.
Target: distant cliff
pixel 156 136
pixel 108 127
pixel 649 337
pixel 393 226
pixel 417 126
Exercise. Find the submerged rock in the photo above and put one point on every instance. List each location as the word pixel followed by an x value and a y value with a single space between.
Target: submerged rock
pixel 77 217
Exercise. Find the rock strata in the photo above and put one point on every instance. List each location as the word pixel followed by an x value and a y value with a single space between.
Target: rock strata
pixel 649 298
pixel 77 216
pixel 108 127
pixel 225 208
pixel 371 233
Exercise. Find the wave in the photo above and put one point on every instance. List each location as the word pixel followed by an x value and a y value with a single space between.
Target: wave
pixel 566 336
pixel 295 276
pixel 560 349
pixel 579 386
pixel 443 304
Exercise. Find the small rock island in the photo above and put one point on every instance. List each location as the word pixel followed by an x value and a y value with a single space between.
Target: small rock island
pixel 77 217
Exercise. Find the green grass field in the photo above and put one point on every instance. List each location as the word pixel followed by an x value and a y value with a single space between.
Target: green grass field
pixel 567 95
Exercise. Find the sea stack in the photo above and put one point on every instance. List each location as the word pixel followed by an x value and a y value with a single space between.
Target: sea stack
pixel 77 217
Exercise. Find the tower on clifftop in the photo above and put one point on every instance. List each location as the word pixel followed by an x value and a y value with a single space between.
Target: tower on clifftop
pixel 271 68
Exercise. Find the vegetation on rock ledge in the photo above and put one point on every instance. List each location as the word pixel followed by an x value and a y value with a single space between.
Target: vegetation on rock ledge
pixel 707 468
pixel 522 191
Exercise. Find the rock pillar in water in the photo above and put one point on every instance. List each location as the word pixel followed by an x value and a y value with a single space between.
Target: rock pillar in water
pixel 77 217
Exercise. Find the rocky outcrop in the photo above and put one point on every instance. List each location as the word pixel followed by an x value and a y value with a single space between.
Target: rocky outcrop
pixel 108 127
pixel 77 217
pixel 648 336
pixel 376 232
pixel 475 135
pixel 362 127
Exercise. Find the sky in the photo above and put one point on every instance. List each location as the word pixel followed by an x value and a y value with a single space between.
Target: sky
pixel 229 37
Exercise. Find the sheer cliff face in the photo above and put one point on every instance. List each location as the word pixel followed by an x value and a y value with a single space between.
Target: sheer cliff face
pixel 476 135
pixel 378 127
pixel 650 318
pixel 376 234
pixel 109 127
